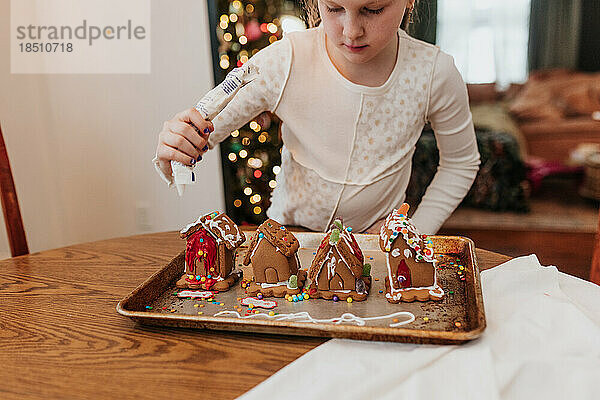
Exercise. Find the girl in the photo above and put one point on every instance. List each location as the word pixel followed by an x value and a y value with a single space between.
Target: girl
pixel 353 94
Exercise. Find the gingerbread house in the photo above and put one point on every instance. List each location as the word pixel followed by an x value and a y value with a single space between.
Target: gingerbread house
pixel 410 262
pixel 210 252
pixel 275 265
pixel 338 270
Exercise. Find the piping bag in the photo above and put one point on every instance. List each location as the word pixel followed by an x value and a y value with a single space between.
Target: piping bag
pixel 209 106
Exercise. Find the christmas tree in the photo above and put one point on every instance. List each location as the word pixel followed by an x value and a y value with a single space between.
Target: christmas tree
pixel 252 154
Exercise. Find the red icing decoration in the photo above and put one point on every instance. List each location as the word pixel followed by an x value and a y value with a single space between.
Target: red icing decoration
pixel 208 247
pixel 356 249
pixel 325 241
pixel 405 272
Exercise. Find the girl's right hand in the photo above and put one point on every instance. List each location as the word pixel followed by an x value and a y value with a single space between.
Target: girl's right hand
pixel 183 138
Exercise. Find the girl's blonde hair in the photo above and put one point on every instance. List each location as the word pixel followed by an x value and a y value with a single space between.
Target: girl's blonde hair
pixel 313 18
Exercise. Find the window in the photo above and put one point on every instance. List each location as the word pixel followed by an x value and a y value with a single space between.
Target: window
pixel 487 38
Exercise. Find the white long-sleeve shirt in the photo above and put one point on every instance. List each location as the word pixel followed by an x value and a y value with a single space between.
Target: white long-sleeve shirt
pixel 348 148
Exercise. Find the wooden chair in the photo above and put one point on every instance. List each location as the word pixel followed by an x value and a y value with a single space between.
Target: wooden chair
pixel 10 205
pixel 595 269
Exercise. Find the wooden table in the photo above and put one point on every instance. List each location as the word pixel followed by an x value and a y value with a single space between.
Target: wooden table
pixel 61 337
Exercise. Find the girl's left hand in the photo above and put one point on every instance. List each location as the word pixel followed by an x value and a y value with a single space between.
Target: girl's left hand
pixel 375 227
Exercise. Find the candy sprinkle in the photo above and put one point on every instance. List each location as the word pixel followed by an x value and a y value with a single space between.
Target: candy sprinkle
pixel 349 299
pixel 457 324
pixel 196 305
pixel 271 313
pixel 200 313
pixel 395 320
pixel 306 296
pixel 425 319
pixel 148 307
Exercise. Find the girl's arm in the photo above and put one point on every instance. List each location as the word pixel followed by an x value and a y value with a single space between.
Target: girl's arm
pixel 258 95
pixel 451 121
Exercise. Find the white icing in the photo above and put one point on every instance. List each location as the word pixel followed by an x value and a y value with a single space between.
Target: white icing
pixel 230 238
pixel 190 225
pixel 270 285
pixel 396 253
pixel 341 291
pixel 435 290
pixel 255 247
pixel 330 264
pixel 407 253
pixel 304 316
pixel 258 302
pixel 346 240
pixel 394 223
pixel 195 293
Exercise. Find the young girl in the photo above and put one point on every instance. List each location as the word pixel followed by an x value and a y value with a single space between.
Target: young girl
pixel 353 94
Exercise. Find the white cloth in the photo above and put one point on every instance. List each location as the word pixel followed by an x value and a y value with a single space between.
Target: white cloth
pixel 348 148
pixel 542 341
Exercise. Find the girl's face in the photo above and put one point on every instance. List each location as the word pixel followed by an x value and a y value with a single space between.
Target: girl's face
pixel 359 30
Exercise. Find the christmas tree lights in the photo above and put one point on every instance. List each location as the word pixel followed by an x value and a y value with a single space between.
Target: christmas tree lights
pixel 252 154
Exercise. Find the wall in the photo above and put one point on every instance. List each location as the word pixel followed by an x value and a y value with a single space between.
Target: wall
pixel 81 146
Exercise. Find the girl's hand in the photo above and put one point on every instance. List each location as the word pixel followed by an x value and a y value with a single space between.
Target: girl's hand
pixel 183 138
pixel 375 227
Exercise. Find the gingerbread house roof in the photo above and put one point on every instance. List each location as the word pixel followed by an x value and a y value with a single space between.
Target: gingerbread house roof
pixel 398 224
pixel 276 234
pixel 220 226
pixel 344 242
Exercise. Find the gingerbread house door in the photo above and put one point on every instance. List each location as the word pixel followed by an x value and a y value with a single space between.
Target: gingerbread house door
pixel 403 274
pixel 341 278
pixel 198 267
pixel 271 275
pixel 336 283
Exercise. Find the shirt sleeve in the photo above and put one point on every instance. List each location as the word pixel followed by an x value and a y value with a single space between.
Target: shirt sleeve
pixel 259 95
pixel 452 123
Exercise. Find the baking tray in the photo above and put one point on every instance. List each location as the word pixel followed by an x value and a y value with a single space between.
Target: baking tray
pixel 457 318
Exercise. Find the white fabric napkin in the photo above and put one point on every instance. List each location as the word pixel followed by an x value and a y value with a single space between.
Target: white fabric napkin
pixel 542 341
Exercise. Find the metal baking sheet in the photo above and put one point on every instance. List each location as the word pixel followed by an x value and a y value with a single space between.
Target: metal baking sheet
pixel 457 318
